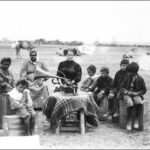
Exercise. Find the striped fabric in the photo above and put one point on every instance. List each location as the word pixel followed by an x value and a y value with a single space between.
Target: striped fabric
pixel 59 105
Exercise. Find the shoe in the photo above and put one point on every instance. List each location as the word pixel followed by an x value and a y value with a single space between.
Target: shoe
pixel 107 115
pixel 129 126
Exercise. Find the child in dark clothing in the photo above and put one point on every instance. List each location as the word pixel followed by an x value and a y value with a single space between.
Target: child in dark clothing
pixel 132 88
pixel 114 92
pixel 103 85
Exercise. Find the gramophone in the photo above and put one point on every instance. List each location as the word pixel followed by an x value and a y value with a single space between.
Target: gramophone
pixel 66 87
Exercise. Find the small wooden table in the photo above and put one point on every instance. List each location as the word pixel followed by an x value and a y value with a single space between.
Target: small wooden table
pixel 58 105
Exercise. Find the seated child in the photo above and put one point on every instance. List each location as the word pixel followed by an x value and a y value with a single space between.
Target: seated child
pixel 103 86
pixel 90 80
pixel 114 92
pixel 132 88
pixel 21 103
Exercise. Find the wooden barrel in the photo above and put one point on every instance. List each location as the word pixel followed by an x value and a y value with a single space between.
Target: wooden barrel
pixel 5 107
pixel 13 125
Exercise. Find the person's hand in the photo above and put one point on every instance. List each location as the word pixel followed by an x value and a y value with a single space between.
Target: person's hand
pixel 26 91
pixel 134 93
pixel 73 82
pixel 68 82
pixel 100 95
pixel 131 93
pixel 86 90
pixel 110 96
pixel 81 89
pixel 40 81
pixel 95 89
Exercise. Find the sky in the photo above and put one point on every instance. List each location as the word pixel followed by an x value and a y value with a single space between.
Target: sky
pixel 88 21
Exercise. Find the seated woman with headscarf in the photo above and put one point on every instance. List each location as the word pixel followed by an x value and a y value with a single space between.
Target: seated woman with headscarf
pixel 69 69
pixel 38 89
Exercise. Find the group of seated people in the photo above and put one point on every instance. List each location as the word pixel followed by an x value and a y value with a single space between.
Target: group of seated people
pixel 27 94
pixel 127 85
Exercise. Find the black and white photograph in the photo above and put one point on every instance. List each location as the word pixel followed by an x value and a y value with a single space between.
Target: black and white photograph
pixel 74 74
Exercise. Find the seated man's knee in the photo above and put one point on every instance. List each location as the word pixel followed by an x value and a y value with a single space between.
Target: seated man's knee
pixel 138 100
pixel 128 100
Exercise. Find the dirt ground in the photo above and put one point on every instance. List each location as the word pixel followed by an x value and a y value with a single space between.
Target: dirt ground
pixel 107 134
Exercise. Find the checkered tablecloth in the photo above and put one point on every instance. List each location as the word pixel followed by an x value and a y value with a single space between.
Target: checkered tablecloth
pixel 59 105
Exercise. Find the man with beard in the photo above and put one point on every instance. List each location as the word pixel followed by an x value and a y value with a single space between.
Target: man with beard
pixel 103 86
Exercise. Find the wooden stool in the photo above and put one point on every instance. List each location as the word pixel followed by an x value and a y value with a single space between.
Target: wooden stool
pixel 10 123
pixel 13 125
pixel 78 125
pixel 5 108
pixel 142 118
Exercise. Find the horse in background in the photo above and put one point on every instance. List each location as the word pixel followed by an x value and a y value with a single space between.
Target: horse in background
pixel 26 45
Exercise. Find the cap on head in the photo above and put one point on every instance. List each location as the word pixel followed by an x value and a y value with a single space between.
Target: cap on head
pixel 33 51
pixel 133 67
pixel 105 69
pixel 124 61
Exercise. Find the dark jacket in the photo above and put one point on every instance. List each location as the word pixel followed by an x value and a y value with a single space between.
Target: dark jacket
pixel 119 77
pixel 104 84
pixel 70 70
pixel 133 83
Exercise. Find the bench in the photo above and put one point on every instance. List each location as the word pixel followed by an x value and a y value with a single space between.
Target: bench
pixel 142 116
pixel 11 124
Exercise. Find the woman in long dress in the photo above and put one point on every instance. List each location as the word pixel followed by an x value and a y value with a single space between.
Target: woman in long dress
pixel 69 69
pixel 38 88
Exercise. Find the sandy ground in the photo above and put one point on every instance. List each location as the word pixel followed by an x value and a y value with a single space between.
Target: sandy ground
pixel 106 135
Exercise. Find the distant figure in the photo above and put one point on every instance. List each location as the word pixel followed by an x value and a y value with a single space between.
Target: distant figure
pixel 22 45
